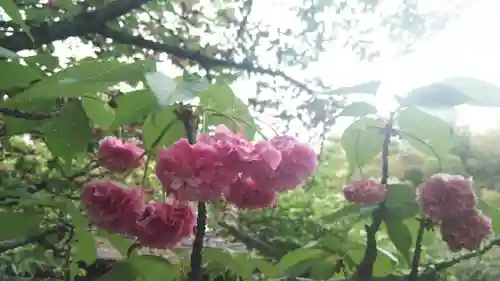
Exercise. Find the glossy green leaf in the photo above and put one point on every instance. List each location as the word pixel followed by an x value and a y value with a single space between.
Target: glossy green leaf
pixel 221 98
pixel 86 248
pixel 164 126
pixel 98 111
pixel 293 258
pixel 358 109
pixel 401 236
pixel 17 225
pixel 10 8
pixel 69 133
pixel 43 60
pixel 491 212
pixel 17 75
pixel 133 106
pixel 401 201
pixel 425 132
pixel 362 142
pixel 87 76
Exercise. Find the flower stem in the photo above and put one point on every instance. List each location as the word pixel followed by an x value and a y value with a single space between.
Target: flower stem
pixel 190 121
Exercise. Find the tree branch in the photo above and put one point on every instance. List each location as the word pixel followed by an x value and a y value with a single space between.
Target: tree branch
pixel 418 249
pixel 206 61
pixel 365 268
pixel 456 260
pixel 17 113
pixel 80 25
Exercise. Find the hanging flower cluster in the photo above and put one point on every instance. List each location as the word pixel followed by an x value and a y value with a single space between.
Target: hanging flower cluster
pixel 225 166
pixel 364 192
pixel 221 166
pixel 117 208
pixel 450 200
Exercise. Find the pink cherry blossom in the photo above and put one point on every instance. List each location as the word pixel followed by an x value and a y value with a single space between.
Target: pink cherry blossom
pixel 364 192
pixel 245 195
pixel 118 156
pixel 466 230
pixel 111 205
pixel 445 195
pixel 164 226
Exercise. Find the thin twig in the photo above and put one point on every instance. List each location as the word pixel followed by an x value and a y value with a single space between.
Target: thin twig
pixel 17 113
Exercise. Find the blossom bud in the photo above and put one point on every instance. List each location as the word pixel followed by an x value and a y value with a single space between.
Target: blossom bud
pixel 119 156
pixel 364 192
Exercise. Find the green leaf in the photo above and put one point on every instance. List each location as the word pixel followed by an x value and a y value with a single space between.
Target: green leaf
pixel 123 271
pixel 400 201
pixel 358 109
pixel 164 126
pixel 133 106
pixel 454 91
pixel 425 132
pixel 153 268
pixel 10 8
pixel 221 98
pixel 401 236
pixel 6 53
pixel 434 95
pixel 86 248
pixel 120 243
pixel 491 212
pixel 370 87
pixel 98 111
pixel 362 141
pixel 68 134
pixel 16 225
pixel 43 60
pixel 87 76
pixel 17 75
pixel 343 212
pixel 294 257
pixel 169 91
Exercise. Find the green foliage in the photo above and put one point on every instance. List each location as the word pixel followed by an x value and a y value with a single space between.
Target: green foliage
pixel 362 142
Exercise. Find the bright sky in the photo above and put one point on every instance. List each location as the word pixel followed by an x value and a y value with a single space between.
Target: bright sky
pixel 464 48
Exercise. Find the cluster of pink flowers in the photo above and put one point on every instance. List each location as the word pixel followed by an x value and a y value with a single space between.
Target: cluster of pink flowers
pixel 225 166
pixel 117 208
pixel 450 200
pixel 222 166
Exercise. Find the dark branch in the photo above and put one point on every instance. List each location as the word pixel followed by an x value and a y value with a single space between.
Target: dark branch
pixel 86 22
pixel 365 268
pixel 205 61
pixel 418 249
pixel 456 260
pixel 17 113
